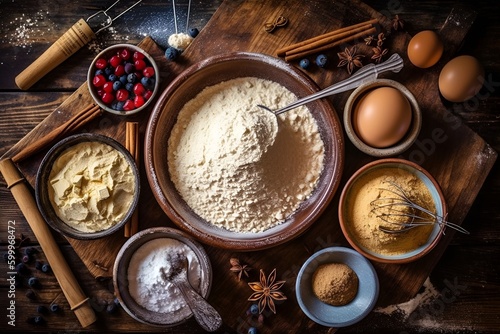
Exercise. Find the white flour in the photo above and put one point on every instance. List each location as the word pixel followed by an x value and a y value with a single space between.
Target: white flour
pixel 230 164
pixel 146 284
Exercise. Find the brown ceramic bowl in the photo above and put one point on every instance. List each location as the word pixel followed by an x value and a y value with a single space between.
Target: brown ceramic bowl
pixel 107 54
pixel 213 71
pixel 405 142
pixel 121 283
pixel 432 186
pixel 42 185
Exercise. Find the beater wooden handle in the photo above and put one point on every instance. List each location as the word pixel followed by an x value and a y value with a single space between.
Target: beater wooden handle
pixel 72 40
pixel 76 298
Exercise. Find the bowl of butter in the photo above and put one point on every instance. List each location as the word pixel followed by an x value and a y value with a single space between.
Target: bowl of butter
pixel 87 186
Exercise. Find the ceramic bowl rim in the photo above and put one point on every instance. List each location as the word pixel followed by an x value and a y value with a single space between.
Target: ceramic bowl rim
pixel 90 75
pixel 41 187
pixel 347 255
pixel 280 233
pixel 415 169
pixel 139 239
pixel 409 138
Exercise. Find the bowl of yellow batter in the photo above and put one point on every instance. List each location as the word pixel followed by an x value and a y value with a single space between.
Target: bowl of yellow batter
pixel 375 216
pixel 87 186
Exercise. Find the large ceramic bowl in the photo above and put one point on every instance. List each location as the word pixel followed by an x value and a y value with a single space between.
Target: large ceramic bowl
pixel 213 71
pixel 42 186
pixel 337 316
pixel 405 253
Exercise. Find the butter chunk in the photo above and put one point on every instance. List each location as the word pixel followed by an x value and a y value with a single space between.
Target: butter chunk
pixel 61 186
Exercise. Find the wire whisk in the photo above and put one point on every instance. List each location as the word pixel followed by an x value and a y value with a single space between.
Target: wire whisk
pixel 402 214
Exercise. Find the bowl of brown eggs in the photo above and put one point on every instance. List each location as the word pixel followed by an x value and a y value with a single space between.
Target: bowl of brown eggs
pixel 382 118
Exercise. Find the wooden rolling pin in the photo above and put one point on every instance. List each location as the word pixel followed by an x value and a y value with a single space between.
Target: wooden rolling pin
pixel 72 40
pixel 77 300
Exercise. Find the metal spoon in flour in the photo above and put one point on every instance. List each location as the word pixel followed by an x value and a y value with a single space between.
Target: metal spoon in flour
pixel 206 316
pixel 364 75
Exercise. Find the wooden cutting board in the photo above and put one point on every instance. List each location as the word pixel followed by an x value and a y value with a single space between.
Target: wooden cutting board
pixel 457 157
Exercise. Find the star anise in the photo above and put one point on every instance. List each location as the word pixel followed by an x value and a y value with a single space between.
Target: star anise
pixel 349 58
pixel 380 39
pixel 378 53
pixel 237 267
pixel 267 291
pixel 369 39
pixel 398 23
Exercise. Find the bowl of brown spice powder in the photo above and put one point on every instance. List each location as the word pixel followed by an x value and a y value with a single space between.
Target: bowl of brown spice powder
pixel 337 287
pixel 392 211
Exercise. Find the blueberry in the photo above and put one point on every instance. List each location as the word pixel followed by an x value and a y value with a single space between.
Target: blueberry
pixel 252 330
pixel 254 309
pixel 33 282
pixel 108 71
pixel 22 269
pixel 129 86
pixel 30 251
pixel 147 82
pixel 129 68
pixel 99 72
pixel 119 105
pixel 112 77
pixel 321 60
pixel 38 265
pixel 132 77
pixel 171 53
pixel 304 63
pixel 54 307
pixel 42 309
pixel 46 268
pixel 117 85
pixel 26 259
pixel 123 79
pixel 193 32
pixel 39 320
pixel 111 308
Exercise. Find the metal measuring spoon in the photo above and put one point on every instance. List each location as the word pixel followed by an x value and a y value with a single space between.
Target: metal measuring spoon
pixel 206 316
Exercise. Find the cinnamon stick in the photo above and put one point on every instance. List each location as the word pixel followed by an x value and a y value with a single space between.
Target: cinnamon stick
pixel 281 52
pixel 77 300
pixel 132 145
pixel 78 120
pixel 331 45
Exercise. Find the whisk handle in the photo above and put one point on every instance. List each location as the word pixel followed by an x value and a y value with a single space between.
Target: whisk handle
pixel 70 42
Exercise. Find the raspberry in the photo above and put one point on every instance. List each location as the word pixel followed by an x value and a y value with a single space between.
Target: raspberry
pixel 115 61
pixel 120 70
pixel 99 80
pixel 107 98
pixel 139 89
pixel 138 101
pixel 140 64
pixel 122 94
pixel 107 87
pixel 125 54
pixel 138 55
pixel 129 105
pixel 148 72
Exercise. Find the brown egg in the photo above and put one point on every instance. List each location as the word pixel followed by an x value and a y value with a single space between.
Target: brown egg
pixel 425 49
pixel 382 117
pixel 461 78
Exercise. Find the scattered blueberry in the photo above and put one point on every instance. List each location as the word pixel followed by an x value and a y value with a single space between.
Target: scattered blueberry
pixel 33 282
pixel 193 32
pixel 36 320
pixel 22 269
pixel 30 294
pixel 111 308
pixel 54 307
pixel 321 60
pixel 46 268
pixel 304 63
pixel 38 265
pixel 171 53
pixel 26 258
pixel 254 309
pixel 30 251
pixel 252 330
pixel 42 309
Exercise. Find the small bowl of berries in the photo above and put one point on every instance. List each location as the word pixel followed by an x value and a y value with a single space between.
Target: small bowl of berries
pixel 123 79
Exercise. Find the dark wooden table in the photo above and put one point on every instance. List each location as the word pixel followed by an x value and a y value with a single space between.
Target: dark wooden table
pixel 467 278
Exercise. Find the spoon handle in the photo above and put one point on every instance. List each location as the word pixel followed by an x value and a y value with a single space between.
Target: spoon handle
pixel 365 74
pixel 206 316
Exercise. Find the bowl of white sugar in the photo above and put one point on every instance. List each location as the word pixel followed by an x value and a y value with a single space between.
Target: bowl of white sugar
pixel 137 276
pixel 231 173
